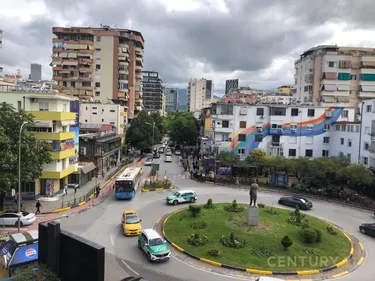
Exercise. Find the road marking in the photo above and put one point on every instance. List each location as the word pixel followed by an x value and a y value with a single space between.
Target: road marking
pixel 135 272
pixel 355 219
pixel 112 242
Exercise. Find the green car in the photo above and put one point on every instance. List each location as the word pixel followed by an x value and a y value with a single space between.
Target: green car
pixel 154 246
pixel 182 196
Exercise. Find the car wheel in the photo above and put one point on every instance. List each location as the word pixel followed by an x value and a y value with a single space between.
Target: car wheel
pixel 175 202
pixel 363 230
pixel 192 200
pixel 149 257
pixel 21 224
pixel 139 245
pixel 281 202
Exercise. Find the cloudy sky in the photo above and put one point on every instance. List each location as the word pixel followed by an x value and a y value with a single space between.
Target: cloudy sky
pixel 256 41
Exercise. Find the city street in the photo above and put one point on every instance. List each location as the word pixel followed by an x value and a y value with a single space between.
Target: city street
pixel 102 225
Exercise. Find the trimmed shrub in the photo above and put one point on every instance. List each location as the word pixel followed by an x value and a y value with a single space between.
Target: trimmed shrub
pixel 271 210
pixel 305 225
pixel 195 210
pixel 296 218
pixel 318 235
pixel 286 242
pixel 198 225
pixel 209 204
pixel 309 235
pixel 261 205
pixel 233 208
pixel 214 253
pixel 197 240
pixel 232 241
pixel 262 251
pixel 331 230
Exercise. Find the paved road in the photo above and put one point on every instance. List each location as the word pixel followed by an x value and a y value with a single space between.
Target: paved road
pixel 102 225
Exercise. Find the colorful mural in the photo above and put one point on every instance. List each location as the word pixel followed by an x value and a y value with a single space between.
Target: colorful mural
pixel 302 130
pixel 74 107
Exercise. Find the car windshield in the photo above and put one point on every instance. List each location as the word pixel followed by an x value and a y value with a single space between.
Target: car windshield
pixel 302 200
pixel 149 160
pixel 156 242
pixel 25 214
pixel 131 219
pixel 176 194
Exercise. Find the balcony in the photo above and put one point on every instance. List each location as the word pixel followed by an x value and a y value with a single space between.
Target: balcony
pixel 367 95
pixel 52 136
pixel 63 154
pixel 86 61
pixel 122 96
pixel 85 70
pixel 53 115
pixel 138 75
pixel 123 71
pixel 138 108
pixel 78 42
pixel 275 144
pixel 124 114
pixel 85 88
pixel 137 67
pixel 335 93
pixel 59 175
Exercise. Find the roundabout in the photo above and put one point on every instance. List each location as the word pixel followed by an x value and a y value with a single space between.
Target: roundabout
pixel 102 225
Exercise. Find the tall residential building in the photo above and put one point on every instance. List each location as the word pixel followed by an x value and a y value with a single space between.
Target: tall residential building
pixel 35 72
pixel 230 85
pixel 152 91
pixel 171 96
pixel 182 99
pixel 335 76
pixel 199 94
pixel 100 64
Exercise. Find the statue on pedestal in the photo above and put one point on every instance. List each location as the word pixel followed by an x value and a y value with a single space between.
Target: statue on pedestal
pixel 253 192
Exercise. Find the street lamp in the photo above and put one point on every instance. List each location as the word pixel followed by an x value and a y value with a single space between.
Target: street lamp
pixel 19 175
pixel 153 131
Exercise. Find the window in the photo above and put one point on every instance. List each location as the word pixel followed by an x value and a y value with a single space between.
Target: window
pixel 102 120
pixel 366 145
pixel 349 142
pixel 369 108
pixel 97 57
pixel 326 140
pixel 311 112
pixel 274 126
pixel 294 112
pixel 365 160
pixel 19 105
pixel 260 111
pixel 258 137
pixel 344 114
pixel 112 110
pixel 309 140
pixel 357 128
pixel 342 141
pixel 241 151
pixel 349 157
pixel 43 106
pixel 225 124
pixel 242 124
pixel 242 137
pixel 292 152
pixel 337 127
pixel 331 64
pixel 325 153
pixel 327 127
pixel 278 111
pixel 367 130
pixel 97 93
pixel 98 38
pixel 309 153
pixel 353 77
pixel 98 66
pixel 310 127
pixel 97 84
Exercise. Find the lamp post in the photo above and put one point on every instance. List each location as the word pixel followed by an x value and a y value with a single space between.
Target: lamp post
pixel 153 131
pixel 19 176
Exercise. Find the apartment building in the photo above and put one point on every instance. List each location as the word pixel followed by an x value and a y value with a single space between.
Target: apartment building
pixel 105 113
pixel 284 90
pixel 367 137
pixel 231 85
pixel 277 99
pixel 335 76
pixel 152 91
pixel 35 72
pixel 99 64
pixel 53 121
pixel 171 99
pixel 199 94
pixel 288 131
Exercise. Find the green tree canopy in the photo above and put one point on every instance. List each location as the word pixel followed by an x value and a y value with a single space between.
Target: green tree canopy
pixel 139 134
pixel 34 153
pixel 228 158
pixel 358 174
pixel 42 273
pixel 184 128
pixel 256 157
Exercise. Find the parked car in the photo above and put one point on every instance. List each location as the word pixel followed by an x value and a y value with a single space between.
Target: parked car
pixel 302 203
pixel 149 162
pixel 10 218
pixel 368 228
pixel 131 224
pixel 177 152
pixel 161 150
pixel 182 196
pixel 156 155
pixel 154 246
pixel 168 153
pixel 168 158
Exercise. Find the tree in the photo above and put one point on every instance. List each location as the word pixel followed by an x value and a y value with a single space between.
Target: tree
pixel 358 174
pixel 324 171
pixel 34 153
pixel 184 128
pixel 257 157
pixel 41 273
pixel 286 242
pixel 160 130
pixel 139 134
pixel 228 158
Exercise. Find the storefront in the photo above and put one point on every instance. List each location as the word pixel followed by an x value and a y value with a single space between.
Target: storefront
pixel 84 174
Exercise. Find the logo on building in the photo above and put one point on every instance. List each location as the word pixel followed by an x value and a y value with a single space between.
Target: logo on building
pixel 30 253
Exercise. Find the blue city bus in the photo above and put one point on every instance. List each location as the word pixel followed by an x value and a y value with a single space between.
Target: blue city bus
pixel 127 183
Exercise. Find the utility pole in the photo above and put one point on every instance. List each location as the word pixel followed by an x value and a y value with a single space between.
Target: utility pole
pixel 19 176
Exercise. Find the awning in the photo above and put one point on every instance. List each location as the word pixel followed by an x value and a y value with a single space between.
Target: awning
pixel 68 122
pixel 42 124
pixel 330 75
pixel 70 63
pixel 25 237
pixel 368 88
pixel 24 255
pixel 343 87
pixel 88 168
pixel 330 87
pixel 108 139
pixel 368 63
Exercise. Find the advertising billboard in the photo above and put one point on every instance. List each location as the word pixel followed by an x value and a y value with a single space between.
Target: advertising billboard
pixel 74 107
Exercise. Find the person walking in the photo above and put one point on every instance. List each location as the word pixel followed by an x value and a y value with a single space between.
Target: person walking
pixel 38 205
pixel 65 190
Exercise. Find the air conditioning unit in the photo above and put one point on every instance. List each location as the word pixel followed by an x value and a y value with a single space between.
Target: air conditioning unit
pixel 293 130
pixel 280 130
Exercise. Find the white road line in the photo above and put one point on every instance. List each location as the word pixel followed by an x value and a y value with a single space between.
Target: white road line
pixel 135 272
pixel 112 242
pixel 355 219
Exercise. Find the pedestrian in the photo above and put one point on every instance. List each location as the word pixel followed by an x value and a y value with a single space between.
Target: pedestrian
pixel 65 190
pixel 97 191
pixel 38 205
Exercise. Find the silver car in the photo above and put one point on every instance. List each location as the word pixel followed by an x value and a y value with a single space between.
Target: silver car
pixel 10 218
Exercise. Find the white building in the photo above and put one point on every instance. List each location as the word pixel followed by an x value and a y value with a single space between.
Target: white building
pixel 367 138
pixel 277 99
pixel 199 94
pixel 104 113
pixel 288 131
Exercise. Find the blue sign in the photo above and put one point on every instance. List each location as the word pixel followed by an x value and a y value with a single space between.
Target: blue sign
pixel 24 255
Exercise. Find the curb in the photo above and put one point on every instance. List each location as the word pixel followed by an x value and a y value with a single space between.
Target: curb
pixel 285 273
pixel 157 189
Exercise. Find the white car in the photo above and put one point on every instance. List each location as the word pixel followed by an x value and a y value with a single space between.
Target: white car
pixel 10 218
pixel 168 158
pixel 177 152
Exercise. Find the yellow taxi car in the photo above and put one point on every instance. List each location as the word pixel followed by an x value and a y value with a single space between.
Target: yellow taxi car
pixel 131 224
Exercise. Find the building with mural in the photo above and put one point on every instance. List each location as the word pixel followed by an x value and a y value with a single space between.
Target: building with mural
pixel 52 126
pixel 284 130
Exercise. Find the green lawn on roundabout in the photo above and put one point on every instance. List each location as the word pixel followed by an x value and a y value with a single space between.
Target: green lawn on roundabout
pixel 257 247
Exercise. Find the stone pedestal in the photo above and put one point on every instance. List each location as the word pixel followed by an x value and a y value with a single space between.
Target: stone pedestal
pixel 252 215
